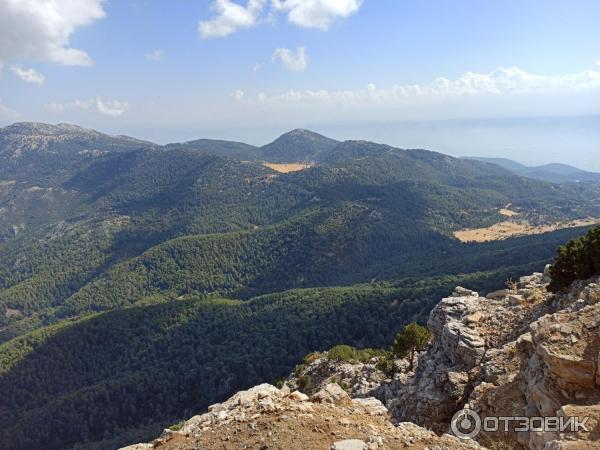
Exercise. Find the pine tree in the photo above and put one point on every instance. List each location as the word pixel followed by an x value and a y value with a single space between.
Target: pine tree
pixel 414 338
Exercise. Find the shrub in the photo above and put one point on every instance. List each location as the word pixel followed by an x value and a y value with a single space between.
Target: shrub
pixel 346 353
pixel 311 358
pixel 177 426
pixel 578 260
pixel 298 369
pixel 387 364
pixel 341 353
pixel 304 383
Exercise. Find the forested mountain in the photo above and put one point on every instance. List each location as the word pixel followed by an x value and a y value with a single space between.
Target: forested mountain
pixel 116 256
pixel 298 146
pixel 554 172
pixel 295 146
pixel 237 150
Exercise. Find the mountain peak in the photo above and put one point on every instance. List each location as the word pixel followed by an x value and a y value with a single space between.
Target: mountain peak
pixel 46 129
pixel 303 133
pixel 298 145
pixel 22 137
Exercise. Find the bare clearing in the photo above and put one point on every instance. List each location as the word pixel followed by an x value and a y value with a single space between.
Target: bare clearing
pixel 508 213
pixel 508 228
pixel 286 168
pixel 11 312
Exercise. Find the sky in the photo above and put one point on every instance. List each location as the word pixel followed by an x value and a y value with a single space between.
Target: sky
pixel 517 79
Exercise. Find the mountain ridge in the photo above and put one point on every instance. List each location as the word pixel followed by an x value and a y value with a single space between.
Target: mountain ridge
pixel 551 172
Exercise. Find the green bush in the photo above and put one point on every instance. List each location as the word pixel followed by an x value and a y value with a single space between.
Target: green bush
pixel 341 353
pixel 177 426
pixel 578 260
pixel 387 364
pixel 347 353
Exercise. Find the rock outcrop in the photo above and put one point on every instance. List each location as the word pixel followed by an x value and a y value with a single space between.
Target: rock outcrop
pixel 549 371
pixel 265 417
pixel 359 379
pixel 465 327
pixel 520 352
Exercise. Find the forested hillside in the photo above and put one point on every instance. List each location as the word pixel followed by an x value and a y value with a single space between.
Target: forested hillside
pixel 116 255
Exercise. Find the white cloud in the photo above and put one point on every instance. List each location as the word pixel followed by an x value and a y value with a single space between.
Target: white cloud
pixel 316 13
pixel 237 95
pixel 598 62
pixel 295 62
pixel 28 75
pixel 111 108
pixel 500 82
pixel 230 18
pixel 501 93
pixel 155 55
pixel 41 29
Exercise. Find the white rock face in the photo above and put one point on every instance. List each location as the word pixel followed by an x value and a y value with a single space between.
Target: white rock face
pixel 361 379
pixel 349 444
pixel 373 406
pixel 514 353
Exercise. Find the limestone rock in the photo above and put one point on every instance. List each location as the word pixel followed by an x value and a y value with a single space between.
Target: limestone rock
pixel 298 396
pixel 502 293
pixel 349 444
pixel 460 291
pixel 373 406
pixel 332 393
pixel 360 379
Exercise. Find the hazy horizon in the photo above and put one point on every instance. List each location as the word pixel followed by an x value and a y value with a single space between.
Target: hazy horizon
pixel 531 141
pixel 515 79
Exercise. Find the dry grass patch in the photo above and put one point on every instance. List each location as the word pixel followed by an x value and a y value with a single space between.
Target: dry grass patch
pixel 508 213
pixel 286 168
pixel 508 228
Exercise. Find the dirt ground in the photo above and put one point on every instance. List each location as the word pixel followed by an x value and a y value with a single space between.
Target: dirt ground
pixel 314 430
pixel 286 168
pixel 511 228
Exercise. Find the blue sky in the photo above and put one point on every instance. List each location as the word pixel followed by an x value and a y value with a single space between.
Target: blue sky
pixel 519 79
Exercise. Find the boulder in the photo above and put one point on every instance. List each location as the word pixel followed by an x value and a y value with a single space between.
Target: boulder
pixel 460 291
pixel 516 300
pixel 298 396
pixel 349 444
pixel 332 393
pixel 591 293
pixel 371 405
pixel 502 293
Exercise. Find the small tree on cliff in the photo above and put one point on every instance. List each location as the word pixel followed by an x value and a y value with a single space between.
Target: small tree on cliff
pixel 414 338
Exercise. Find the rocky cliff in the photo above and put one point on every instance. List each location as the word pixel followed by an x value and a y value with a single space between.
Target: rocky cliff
pixel 517 352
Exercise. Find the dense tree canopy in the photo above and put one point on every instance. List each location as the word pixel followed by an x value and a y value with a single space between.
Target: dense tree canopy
pixel 577 260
